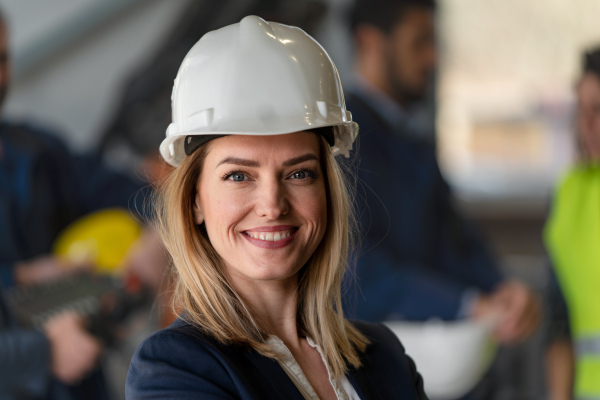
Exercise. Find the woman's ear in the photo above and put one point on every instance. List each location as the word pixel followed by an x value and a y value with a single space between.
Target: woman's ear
pixel 198 214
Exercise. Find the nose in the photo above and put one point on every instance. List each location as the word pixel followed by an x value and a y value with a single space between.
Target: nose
pixel 272 200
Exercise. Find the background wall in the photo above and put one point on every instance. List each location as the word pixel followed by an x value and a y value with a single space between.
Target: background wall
pixel 71 57
pixel 506 91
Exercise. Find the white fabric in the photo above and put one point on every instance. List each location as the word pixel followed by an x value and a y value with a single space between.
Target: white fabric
pixel 342 387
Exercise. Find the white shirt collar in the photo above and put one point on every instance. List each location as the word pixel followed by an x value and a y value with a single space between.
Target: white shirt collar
pixel 342 387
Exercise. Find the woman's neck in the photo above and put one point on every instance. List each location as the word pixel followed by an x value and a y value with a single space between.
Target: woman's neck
pixel 274 304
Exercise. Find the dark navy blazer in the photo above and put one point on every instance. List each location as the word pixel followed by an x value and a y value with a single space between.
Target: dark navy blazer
pixel 420 256
pixel 180 362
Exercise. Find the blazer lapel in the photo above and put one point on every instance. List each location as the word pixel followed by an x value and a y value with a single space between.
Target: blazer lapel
pixel 362 384
pixel 281 384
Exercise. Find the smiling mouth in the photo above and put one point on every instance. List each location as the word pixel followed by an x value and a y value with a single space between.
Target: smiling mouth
pixel 271 236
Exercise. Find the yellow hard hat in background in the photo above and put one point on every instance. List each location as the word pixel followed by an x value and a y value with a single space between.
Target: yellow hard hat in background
pixel 102 238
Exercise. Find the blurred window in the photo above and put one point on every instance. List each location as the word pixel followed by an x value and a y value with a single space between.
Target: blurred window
pixel 505 94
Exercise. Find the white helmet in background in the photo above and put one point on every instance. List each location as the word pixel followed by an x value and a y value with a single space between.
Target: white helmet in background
pixel 451 356
pixel 257 78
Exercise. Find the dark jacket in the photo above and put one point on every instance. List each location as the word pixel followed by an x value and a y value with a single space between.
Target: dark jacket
pixel 181 362
pixel 25 359
pixel 420 257
pixel 25 366
pixel 44 187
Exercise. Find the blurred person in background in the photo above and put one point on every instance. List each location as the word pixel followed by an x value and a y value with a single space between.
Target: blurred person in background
pixel 43 188
pixel 572 236
pixel 40 364
pixel 422 259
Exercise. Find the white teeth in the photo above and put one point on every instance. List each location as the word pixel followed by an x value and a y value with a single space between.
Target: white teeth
pixel 270 236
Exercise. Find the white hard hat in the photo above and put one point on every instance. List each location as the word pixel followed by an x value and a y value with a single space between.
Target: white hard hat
pixel 257 78
pixel 451 356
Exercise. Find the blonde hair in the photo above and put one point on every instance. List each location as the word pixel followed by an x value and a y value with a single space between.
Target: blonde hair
pixel 211 304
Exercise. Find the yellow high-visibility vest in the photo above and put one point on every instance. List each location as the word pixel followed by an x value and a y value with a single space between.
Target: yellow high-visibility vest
pixel 572 236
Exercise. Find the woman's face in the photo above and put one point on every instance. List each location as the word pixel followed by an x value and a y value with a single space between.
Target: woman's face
pixel 588 115
pixel 263 201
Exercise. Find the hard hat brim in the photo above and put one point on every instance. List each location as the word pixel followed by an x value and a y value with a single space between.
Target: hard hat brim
pixel 172 148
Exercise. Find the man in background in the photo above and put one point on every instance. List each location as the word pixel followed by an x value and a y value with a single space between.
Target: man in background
pixel 421 258
pixel 43 188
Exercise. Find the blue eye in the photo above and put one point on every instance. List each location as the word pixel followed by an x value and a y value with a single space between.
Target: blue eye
pixel 237 177
pixel 299 175
pixel 304 175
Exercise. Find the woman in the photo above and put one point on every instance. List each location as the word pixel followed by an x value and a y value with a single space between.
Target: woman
pixel 256 220
pixel 572 235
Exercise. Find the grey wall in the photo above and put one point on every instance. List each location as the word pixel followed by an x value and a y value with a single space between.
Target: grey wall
pixel 71 56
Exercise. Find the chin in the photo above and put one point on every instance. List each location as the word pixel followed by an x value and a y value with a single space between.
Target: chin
pixel 263 273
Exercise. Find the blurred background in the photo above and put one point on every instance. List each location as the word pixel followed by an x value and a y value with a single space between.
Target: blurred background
pixel 503 105
pixel 504 96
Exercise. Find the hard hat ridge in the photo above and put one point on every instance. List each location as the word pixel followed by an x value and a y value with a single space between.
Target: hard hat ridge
pixel 256 78
pixel 253 28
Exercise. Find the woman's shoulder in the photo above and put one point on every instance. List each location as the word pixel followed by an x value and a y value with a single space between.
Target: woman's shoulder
pixel 378 333
pixel 384 347
pixel 179 334
pixel 182 344
pixel 170 359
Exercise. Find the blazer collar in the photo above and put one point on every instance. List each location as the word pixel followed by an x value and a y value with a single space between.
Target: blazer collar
pixel 285 388
pixel 362 383
pixel 279 381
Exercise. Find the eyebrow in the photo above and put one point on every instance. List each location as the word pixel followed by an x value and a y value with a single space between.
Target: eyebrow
pixel 239 161
pixel 251 163
pixel 300 159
